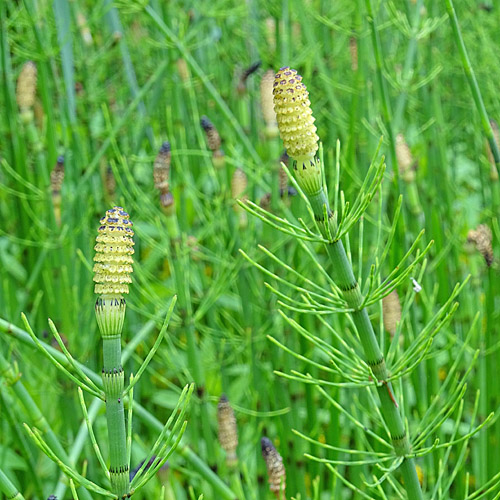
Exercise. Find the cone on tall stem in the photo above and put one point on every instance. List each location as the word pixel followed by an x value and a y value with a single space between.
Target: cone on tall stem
pixel 112 269
pixel 298 132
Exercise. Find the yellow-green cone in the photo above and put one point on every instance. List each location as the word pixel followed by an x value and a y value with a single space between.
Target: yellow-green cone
pixel 294 115
pixel 26 90
pixel 297 129
pixel 114 250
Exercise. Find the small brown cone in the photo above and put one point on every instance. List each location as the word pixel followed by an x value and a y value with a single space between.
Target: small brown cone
pixel 482 239
pixel 275 468
pixel 391 307
pixel 228 431
pixel 161 167
pixel 213 137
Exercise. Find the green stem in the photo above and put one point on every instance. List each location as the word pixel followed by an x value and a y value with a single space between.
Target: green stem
pixel 181 269
pixel 343 275
pixel 8 488
pixel 386 104
pixel 113 382
pixel 471 77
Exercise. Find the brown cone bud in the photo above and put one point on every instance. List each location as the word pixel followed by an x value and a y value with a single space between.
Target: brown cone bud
pixel 275 468
pixel 213 137
pixel 110 182
pixel 161 168
pixel 482 239
pixel 57 176
pixel 391 308
pixel 228 431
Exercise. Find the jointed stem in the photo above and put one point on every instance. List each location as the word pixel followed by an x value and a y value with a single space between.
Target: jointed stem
pixel 8 488
pixel 343 276
pixel 113 382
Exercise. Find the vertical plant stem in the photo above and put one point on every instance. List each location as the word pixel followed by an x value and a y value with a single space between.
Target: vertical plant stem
pixel 181 268
pixel 343 275
pixel 471 78
pixel 491 287
pixel 8 488
pixel 113 381
pixel 386 105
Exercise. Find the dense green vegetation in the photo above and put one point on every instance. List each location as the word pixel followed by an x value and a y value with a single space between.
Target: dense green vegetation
pixel 90 91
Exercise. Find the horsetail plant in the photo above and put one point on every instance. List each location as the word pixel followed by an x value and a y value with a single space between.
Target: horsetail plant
pixel 113 266
pixel 298 132
pixel 344 295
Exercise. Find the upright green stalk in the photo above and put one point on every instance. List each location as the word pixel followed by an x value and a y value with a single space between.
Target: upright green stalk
pixel 295 122
pixel 113 266
pixel 471 77
pixel 8 488
pixel 491 321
